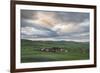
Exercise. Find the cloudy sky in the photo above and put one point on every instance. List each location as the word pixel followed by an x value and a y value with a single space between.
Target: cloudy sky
pixel 55 26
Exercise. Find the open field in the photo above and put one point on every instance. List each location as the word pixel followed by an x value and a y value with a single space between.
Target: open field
pixel 30 51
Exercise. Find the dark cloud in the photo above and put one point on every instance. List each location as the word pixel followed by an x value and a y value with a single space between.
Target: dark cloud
pixel 68 17
pixel 72 17
pixel 28 14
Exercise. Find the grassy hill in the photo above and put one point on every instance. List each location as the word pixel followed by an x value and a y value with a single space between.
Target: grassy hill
pixel 30 51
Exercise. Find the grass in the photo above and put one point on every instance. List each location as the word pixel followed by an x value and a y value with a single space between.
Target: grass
pixel 30 51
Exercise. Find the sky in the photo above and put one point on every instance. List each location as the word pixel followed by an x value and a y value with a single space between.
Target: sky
pixel 55 25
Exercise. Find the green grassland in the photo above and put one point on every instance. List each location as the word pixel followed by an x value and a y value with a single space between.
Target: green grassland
pixel 30 51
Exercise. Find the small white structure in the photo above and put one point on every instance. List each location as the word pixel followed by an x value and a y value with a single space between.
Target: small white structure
pixel 54 49
pixel 66 51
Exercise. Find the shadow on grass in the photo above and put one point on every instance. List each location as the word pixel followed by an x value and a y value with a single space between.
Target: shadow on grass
pixel 36 59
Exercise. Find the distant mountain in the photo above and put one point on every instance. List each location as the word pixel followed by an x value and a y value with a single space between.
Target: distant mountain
pixel 62 44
